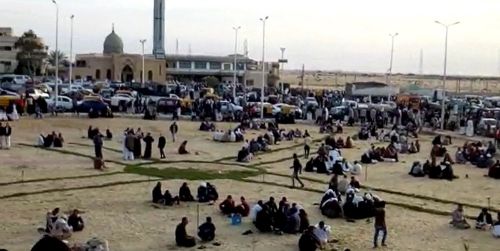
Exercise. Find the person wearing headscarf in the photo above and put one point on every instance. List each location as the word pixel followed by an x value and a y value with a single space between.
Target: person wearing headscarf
pixel 157 193
pixel 149 144
pixel 185 193
pixel 182 148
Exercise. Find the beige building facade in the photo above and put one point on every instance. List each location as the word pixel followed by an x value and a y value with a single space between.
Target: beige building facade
pixel 115 65
pixel 8 53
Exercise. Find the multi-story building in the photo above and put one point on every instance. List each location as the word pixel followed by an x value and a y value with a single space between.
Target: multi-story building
pixel 8 52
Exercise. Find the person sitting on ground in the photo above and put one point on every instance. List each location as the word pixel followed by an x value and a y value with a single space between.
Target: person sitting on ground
pixel 340 142
pixel 356 169
pixel 447 140
pixel 496 227
pixel 417 145
pixel 343 185
pixel 75 221
pixel 413 148
pixel 309 166
pixel 256 209
pixel 447 171
pixel 157 194
pixel 292 225
pixel 227 206
pixel 459 157
pixel 243 209
pixel 51 218
pixel 263 220
pixel 271 206
pixel 484 161
pixel 213 195
pixel 491 149
pixel 322 232
pixel 169 200
pixel 447 157
pixel 354 183
pixel 182 239
pixel 109 135
pixel 494 170
pixel 202 193
pixel 206 231
pixel 391 153
pixel 304 220
pixel 348 143
pixel 484 220
pixel 244 155
pixel 182 148
pixel 51 243
pixel 437 140
pixel 58 140
pixel 417 170
pixel 458 219
pixel 185 193
pixel 308 240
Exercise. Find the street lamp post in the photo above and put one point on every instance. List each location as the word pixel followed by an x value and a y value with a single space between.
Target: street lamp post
pixel 236 29
pixel 57 53
pixel 263 66
pixel 71 54
pixel 393 36
pixel 446 26
pixel 282 68
pixel 142 43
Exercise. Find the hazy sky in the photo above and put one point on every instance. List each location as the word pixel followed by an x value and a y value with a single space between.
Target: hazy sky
pixel 322 34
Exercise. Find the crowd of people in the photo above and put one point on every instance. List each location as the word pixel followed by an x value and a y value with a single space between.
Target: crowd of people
pixel 484 221
pixel 51 140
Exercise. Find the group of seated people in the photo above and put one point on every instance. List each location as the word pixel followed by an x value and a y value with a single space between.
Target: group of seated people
pixel 378 154
pixel 206 193
pixel 228 136
pixel 228 207
pixel 61 226
pixel 476 153
pixel 249 149
pixel 442 171
pixel 355 205
pixel 339 143
pixel 207 126
pixel 51 140
pixel 366 131
pixel 206 232
pixel 327 127
pixel 484 221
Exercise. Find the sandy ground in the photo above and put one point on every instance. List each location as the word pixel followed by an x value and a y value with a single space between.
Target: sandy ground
pixel 123 215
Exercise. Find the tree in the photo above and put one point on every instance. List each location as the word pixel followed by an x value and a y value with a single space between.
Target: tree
pixel 31 53
pixel 63 59
pixel 211 81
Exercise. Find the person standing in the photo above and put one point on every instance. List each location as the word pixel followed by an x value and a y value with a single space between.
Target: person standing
pixel 173 130
pixel 8 132
pixel 98 144
pixel 161 145
pixel 2 135
pixel 297 169
pixel 129 145
pixel 149 143
pixel 307 148
pixel 380 225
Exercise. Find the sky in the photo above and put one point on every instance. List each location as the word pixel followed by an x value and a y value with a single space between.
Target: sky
pixel 321 34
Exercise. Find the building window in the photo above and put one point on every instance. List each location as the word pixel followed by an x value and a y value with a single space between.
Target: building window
pixel 184 64
pixel 108 74
pixel 200 65
pixel 240 66
pixel 227 67
pixel 78 77
pixel 150 75
pixel 215 66
pixel 159 68
pixel 81 63
pixel 97 74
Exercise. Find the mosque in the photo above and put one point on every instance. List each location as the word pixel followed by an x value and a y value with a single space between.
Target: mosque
pixel 113 64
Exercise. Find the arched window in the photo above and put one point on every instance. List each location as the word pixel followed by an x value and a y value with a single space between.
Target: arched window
pixel 97 74
pixel 150 75
pixel 108 74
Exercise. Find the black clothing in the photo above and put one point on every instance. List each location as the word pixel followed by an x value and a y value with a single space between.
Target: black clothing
pixel 58 142
pixel 308 242
pixel 157 196
pixel 182 238
pixel 137 146
pixel 202 194
pixel 98 146
pixel 169 200
pixel 76 222
pixel 206 231
pixel 149 142
pixel 307 149
pixel 489 220
pixel 50 243
pixel 185 194
pixel 2 130
pixel 174 128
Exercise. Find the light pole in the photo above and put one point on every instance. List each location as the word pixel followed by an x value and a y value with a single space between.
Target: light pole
pixel 282 69
pixel 142 43
pixel 71 54
pixel 393 36
pixel 57 52
pixel 263 66
pixel 236 29
pixel 446 26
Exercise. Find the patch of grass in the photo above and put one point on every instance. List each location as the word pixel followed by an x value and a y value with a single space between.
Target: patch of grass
pixel 190 173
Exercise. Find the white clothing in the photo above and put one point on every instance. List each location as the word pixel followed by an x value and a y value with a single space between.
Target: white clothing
pixel 322 234
pixel 124 147
pixel 357 199
pixel 40 141
pixel 496 231
pixel 254 211
pixel 356 169
pixel 60 228
pixel 470 128
pixel 343 185
pixel 7 142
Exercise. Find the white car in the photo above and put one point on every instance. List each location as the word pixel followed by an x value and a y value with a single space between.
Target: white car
pixel 36 93
pixel 297 111
pixel 120 101
pixel 63 103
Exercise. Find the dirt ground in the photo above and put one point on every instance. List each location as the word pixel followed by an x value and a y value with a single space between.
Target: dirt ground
pixel 116 204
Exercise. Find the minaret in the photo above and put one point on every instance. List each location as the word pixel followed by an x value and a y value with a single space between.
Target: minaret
pixel 159 29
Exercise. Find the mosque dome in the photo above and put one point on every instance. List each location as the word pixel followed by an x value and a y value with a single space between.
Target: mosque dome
pixel 113 43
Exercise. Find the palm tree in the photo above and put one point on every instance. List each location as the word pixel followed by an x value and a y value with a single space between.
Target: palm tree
pixel 31 53
pixel 62 58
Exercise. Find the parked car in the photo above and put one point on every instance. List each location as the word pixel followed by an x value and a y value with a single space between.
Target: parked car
pixel 95 105
pixel 37 93
pixel 167 105
pixel 286 108
pixel 7 97
pixel 63 103
pixel 487 127
pixel 121 100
